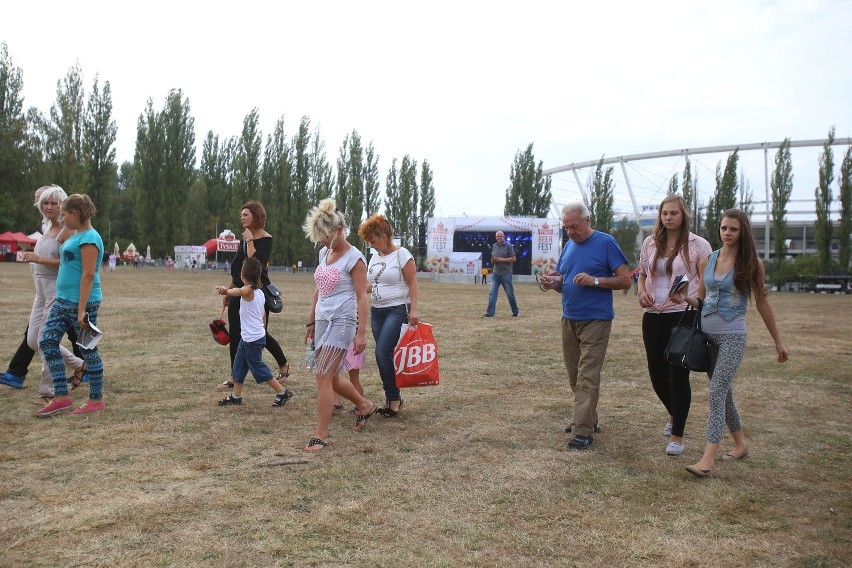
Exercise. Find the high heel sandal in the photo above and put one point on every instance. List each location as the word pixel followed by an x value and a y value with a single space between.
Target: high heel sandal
pixel 388 412
pixel 77 378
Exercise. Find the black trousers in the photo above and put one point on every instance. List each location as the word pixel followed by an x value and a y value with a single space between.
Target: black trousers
pixel 670 382
pixel 234 331
pixel 20 363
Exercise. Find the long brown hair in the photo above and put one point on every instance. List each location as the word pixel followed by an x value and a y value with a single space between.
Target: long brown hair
pixel 746 265
pixel 660 235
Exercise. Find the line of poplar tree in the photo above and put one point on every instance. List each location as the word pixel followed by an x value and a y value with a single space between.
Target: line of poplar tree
pixel 162 199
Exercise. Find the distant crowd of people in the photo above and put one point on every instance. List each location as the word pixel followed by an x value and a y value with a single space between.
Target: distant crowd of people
pixel 66 262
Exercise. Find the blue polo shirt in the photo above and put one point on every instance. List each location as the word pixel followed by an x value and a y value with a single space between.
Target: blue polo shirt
pixel 599 256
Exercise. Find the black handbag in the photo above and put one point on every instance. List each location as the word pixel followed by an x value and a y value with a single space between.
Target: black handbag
pixel 688 346
pixel 274 303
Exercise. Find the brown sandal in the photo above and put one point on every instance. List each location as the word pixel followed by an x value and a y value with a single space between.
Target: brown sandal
pixel 78 377
pixel 43 400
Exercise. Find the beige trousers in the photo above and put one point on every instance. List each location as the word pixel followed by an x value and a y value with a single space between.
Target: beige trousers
pixel 584 344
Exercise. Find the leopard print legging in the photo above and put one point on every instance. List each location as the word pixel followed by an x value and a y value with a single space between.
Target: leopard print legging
pixel 726 354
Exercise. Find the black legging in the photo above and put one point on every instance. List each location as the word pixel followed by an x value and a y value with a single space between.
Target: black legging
pixel 20 363
pixel 234 331
pixel 670 381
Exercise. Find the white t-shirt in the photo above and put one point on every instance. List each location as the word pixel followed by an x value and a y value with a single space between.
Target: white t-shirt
pixel 251 317
pixel 385 275
pixel 336 291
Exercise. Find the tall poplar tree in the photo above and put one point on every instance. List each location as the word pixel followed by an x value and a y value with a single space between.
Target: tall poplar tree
pixel 99 133
pixel 725 197
pixel 408 198
pixel 178 172
pixel 247 161
pixel 823 192
pixel 823 226
pixel 147 174
pixel 16 187
pixel 277 196
pixel 427 209
pixel 601 198
pixel 529 191
pixel 674 185
pixel 392 208
pixel 372 184
pixel 65 133
pixel 688 191
pixel 354 206
pixel 782 187
pixel 845 227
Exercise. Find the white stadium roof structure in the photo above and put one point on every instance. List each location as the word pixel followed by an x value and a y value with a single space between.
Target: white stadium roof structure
pixel 648 186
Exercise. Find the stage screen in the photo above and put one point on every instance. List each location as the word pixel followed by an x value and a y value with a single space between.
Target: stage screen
pixel 474 241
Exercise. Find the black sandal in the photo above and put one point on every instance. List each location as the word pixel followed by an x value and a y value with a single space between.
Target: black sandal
pixel 361 419
pixel 388 412
pixel 313 442
pixel 281 399
pixel 77 378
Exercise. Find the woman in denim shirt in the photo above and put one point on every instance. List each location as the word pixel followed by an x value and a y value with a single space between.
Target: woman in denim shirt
pixel 672 250
pixel 730 276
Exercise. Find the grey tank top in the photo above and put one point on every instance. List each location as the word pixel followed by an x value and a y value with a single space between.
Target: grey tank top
pixel 47 247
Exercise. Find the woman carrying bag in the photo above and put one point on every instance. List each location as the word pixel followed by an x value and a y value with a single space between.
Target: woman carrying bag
pixel 729 276
pixel 670 251
pixel 392 277
pixel 256 243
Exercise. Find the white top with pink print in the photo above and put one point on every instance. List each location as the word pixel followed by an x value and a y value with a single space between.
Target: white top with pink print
pixel 336 291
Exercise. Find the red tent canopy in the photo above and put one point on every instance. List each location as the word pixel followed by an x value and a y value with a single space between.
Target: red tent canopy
pixel 9 243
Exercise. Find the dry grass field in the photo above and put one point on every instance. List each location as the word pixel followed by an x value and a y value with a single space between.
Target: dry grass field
pixel 474 472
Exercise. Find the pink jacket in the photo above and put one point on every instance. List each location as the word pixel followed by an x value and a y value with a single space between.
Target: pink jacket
pixel 698 248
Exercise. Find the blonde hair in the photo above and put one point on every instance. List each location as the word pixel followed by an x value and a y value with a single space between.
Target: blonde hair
pixel 48 191
pixel 322 221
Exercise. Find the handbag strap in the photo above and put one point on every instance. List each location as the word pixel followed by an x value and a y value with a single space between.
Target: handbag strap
pixel 222 315
pixel 696 322
pixel 402 279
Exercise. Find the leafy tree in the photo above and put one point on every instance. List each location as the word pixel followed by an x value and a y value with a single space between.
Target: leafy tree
pixel 427 204
pixel 601 198
pixel 163 173
pixel 746 199
pixel 99 132
pixel 529 192
pixel 321 177
pixel 16 152
pixel 674 185
pixel 196 213
pixel 217 172
pixel 65 133
pixel 408 197
pixel 823 226
pixel 372 184
pixel 626 232
pixel 247 161
pixel 845 210
pixel 122 205
pixel 782 187
pixel 723 199
pixel 282 209
pixel 689 191
pixel 304 189
pixel 392 207
pixel 354 205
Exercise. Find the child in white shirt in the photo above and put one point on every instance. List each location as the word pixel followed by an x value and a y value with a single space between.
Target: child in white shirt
pixel 252 337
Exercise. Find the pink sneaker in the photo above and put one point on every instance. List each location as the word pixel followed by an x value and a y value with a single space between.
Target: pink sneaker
pixel 89 406
pixel 53 407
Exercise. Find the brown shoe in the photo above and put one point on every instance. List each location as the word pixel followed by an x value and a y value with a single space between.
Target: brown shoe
pixel 43 400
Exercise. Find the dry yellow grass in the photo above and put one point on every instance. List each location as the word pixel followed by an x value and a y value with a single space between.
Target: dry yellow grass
pixel 472 473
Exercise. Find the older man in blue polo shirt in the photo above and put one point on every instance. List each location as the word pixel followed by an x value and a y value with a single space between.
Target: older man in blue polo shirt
pixel 590 268
pixel 502 259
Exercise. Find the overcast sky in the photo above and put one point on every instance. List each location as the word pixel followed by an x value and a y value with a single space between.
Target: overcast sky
pixel 465 85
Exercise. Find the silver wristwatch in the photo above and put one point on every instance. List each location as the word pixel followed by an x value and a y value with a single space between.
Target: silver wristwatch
pixel 597 282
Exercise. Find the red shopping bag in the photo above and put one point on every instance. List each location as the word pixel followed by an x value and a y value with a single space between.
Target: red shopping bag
pixel 415 358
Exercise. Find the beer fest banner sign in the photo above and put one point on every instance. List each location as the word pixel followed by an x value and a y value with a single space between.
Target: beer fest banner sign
pixel 441 231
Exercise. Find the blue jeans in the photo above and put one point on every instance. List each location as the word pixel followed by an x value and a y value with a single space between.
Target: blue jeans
pixel 504 280
pixel 386 323
pixel 250 356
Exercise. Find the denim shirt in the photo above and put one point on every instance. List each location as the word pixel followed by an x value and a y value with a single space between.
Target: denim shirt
pixel 724 299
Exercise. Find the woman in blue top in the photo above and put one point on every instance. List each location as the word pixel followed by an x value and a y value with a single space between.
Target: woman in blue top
pixel 78 297
pixel 730 275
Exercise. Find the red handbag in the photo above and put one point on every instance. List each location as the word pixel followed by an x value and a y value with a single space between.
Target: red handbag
pixel 219 331
pixel 415 358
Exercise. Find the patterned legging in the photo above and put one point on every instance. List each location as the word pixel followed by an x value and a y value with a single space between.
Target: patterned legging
pixel 726 354
pixel 63 315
